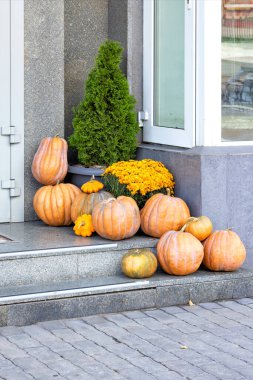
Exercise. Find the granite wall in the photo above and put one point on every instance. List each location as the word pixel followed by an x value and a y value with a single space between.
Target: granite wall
pixel 125 24
pixel 44 81
pixel 216 182
pixel 86 27
pixel 61 41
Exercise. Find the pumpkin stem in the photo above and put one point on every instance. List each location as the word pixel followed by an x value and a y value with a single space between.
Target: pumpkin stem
pixel 58 182
pixel 92 177
pixel 184 227
pixel 229 228
pixel 109 200
pixel 191 219
pixel 168 192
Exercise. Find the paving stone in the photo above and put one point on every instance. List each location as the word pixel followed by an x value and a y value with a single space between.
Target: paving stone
pixel 201 342
pixel 210 305
pixel 66 334
pixel 10 350
pixel 5 363
pixel 89 364
pixel 15 374
pixel 24 341
pixel 63 367
pixel 121 320
pixel 134 314
pixel 10 331
pixel 245 301
pixel 173 309
pixel 52 325
pixel 222 372
pixel 43 353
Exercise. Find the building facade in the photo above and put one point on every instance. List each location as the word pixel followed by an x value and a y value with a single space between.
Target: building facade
pixel 189 63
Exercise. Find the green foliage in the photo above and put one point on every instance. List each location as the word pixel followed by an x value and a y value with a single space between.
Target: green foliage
pixel 105 124
pixel 113 186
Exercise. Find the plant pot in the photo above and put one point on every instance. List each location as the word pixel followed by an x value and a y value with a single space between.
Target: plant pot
pixel 78 175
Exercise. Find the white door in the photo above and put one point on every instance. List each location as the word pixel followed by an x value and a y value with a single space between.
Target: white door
pixel 5 109
pixel 11 111
pixel 169 72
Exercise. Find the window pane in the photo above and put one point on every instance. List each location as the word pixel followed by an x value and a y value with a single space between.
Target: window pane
pixel 169 64
pixel 237 70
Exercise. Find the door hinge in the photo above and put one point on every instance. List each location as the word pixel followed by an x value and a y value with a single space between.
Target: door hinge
pixel 11 185
pixel 142 116
pixel 11 131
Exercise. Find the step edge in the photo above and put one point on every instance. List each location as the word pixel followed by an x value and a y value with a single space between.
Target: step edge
pixel 55 251
pixel 75 292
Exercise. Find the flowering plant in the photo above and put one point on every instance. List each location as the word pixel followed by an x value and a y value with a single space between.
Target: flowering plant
pixel 138 179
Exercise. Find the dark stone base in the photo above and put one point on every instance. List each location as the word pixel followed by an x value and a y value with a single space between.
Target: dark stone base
pixel 78 175
pixel 159 291
pixel 214 181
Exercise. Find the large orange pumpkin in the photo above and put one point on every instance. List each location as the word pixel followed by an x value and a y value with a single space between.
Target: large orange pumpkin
pixel 139 263
pixel 52 204
pixel 163 213
pixel 224 251
pixel 200 227
pixel 179 253
pixel 50 163
pixel 84 203
pixel 116 219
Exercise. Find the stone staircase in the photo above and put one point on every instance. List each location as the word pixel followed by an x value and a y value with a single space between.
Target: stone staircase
pixel 48 273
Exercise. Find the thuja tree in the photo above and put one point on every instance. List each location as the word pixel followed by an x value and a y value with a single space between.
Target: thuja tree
pixel 105 125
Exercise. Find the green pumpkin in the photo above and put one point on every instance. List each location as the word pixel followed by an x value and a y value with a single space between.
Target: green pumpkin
pixel 139 263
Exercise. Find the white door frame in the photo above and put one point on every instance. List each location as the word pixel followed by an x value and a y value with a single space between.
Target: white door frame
pixel 12 111
pixel 17 107
pixel 5 109
pixel 161 135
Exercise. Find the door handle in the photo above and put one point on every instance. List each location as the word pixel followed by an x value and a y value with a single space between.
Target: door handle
pixel 189 4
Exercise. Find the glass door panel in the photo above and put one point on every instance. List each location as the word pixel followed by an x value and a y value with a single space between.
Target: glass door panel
pixel 169 72
pixel 169 63
pixel 237 70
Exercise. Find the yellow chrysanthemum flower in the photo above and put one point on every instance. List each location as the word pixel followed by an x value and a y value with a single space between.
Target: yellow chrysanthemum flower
pixel 142 176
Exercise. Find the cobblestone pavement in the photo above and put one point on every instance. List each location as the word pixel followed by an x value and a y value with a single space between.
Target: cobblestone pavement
pixel 201 342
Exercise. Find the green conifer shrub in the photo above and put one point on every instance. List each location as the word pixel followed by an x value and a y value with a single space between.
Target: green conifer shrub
pixel 105 124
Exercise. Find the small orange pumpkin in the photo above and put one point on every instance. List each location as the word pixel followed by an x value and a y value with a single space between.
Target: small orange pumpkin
pixel 52 204
pixel 50 163
pixel 92 186
pixel 139 263
pixel 200 227
pixel 116 219
pixel 162 213
pixel 84 203
pixel 83 225
pixel 179 253
pixel 224 251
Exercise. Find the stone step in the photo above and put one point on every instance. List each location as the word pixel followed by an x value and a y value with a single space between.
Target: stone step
pixel 22 305
pixel 43 266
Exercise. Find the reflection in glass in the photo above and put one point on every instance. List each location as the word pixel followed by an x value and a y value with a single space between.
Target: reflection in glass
pixel 169 64
pixel 237 70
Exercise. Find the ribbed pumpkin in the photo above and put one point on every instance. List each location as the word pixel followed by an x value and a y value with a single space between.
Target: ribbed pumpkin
pixel 116 219
pixel 179 253
pixel 200 227
pixel 224 251
pixel 139 263
pixel 84 203
pixel 50 163
pixel 162 213
pixel 52 204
